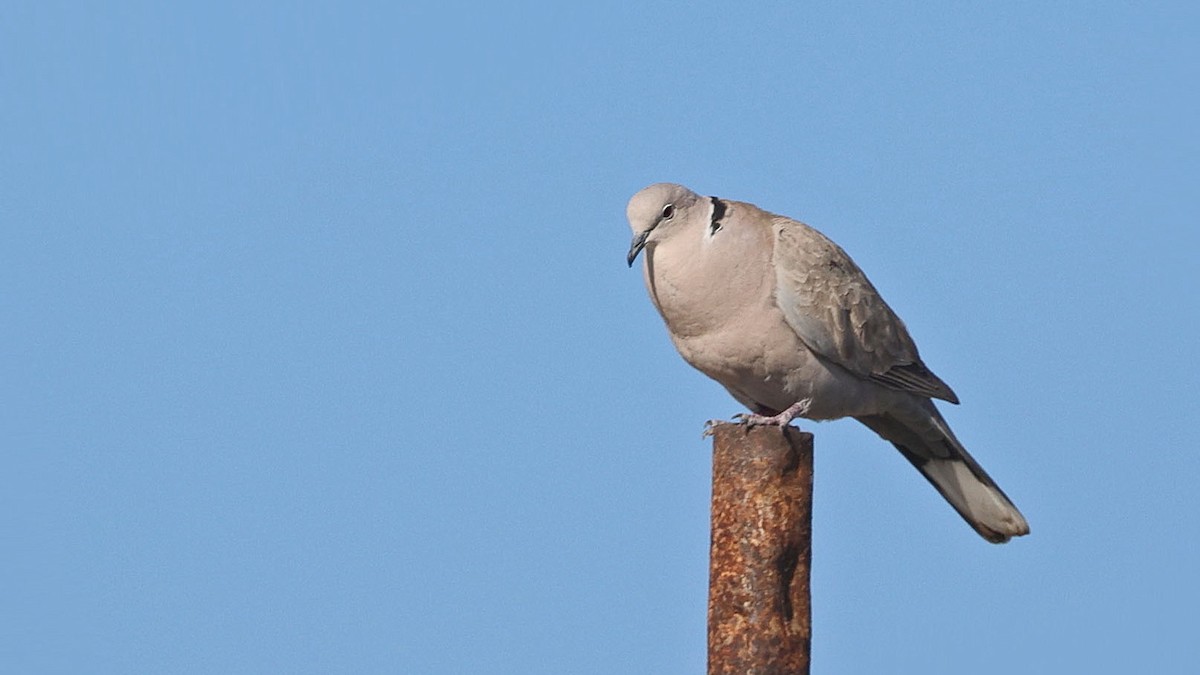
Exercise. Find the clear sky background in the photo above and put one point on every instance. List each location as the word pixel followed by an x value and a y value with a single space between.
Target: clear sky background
pixel 320 354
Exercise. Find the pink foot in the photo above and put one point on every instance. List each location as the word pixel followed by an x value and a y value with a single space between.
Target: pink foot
pixel 795 410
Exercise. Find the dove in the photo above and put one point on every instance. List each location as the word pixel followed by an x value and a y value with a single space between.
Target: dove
pixel 780 316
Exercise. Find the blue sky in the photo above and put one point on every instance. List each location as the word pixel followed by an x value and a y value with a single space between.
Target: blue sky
pixel 321 355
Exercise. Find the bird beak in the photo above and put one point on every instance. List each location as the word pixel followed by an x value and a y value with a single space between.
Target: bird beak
pixel 639 242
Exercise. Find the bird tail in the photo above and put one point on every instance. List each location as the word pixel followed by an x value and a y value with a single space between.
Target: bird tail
pixel 923 437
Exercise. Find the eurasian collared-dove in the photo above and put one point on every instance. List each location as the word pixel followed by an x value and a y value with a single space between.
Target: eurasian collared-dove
pixel 791 327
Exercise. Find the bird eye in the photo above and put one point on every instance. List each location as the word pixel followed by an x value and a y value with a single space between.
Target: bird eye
pixel 668 211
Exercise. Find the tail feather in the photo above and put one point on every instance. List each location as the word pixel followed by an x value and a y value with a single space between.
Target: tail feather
pixel 924 438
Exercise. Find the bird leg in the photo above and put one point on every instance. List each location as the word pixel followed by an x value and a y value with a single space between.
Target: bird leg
pixel 797 409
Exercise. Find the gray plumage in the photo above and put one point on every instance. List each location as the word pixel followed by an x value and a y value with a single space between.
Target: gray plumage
pixel 791 327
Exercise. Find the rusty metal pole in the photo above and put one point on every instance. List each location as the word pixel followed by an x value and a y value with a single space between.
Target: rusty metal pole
pixel 759 612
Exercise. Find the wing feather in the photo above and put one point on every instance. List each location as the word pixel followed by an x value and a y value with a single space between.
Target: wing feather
pixel 836 311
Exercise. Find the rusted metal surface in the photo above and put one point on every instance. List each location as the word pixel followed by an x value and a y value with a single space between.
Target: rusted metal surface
pixel 759 613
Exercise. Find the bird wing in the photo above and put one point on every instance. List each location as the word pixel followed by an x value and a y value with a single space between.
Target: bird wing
pixel 838 314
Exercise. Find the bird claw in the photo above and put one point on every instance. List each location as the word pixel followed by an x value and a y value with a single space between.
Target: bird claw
pixel 710 427
pixel 756 420
pixel 745 419
pixel 797 409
